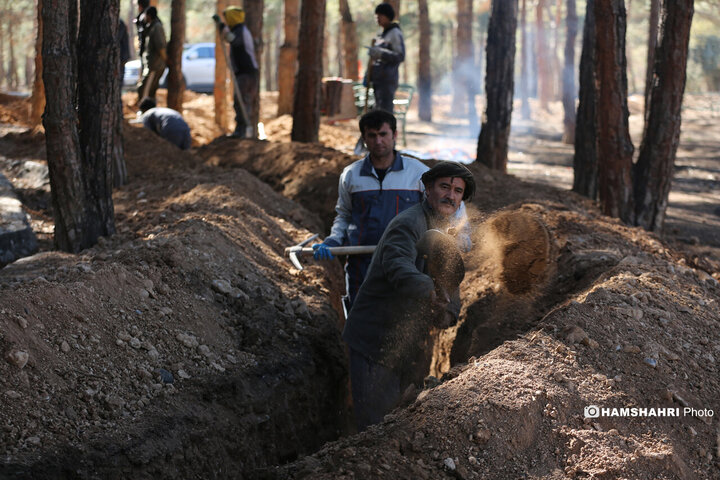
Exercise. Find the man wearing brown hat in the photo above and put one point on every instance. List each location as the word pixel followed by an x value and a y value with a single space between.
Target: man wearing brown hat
pixel 412 284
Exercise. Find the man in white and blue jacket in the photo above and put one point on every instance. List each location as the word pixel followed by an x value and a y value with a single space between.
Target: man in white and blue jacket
pixel 371 192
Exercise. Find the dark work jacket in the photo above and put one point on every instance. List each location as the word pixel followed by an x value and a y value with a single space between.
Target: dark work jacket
pixel 241 60
pixel 385 68
pixel 392 313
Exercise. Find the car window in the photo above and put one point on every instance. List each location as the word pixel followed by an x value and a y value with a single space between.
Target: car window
pixel 206 52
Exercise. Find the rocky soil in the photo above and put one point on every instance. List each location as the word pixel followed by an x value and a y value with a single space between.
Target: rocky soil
pixel 186 346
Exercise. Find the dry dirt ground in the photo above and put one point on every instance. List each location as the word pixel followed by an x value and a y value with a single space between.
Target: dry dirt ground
pixel 185 346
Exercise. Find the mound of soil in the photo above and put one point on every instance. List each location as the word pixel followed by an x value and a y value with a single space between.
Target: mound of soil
pixel 307 173
pixel 612 329
pixel 183 344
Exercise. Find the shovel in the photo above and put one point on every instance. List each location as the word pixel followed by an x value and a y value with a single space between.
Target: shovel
pixel 300 249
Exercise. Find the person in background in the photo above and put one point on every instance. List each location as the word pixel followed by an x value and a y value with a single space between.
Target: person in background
pixel 386 54
pixel 124 43
pixel 139 22
pixel 244 64
pixel 165 122
pixel 155 59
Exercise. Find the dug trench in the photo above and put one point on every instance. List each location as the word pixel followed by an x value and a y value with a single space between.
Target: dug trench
pixel 186 346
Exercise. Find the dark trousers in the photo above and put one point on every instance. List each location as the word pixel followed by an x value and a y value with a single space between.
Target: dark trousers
pixel 356 268
pixel 375 390
pixel 248 85
pixel 384 95
pixel 149 85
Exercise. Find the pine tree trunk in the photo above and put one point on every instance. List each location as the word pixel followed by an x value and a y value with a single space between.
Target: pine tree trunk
pixel 464 67
pixel 424 71
pixel 12 76
pixel 568 77
pixel 557 72
pixel 130 26
pixel 3 15
pixel 287 64
pixel 396 6
pixel 254 20
pixel 306 105
pixel 654 169
pixel 543 66
pixel 350 42
pixel 615 148
pixel 524 101
pixel 37 101
pixel 98 99
pixel 585 168
pixel 499 83
pixel 220 90
pixel 60 121
pixel 175 83
pixel 652 45
pixel 268 54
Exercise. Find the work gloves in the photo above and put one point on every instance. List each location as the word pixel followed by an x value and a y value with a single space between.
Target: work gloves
pixel 322 252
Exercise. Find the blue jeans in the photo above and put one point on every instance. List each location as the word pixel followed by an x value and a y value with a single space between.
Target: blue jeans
pixel 375 390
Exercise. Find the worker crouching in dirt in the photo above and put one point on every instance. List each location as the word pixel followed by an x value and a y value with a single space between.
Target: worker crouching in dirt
pixel 412 284
pixel 165 122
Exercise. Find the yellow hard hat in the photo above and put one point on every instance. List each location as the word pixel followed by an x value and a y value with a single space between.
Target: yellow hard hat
pixel 234 15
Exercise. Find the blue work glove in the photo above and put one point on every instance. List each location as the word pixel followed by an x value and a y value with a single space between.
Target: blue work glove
pixel 322 252
pixel 375 52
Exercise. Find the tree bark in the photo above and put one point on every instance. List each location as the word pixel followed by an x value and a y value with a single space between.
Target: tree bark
pixel 464 65
pixel 652 45
pixel 424 71
pixel 568 77
pixel 61 133
pixel 3 15
pixel 543 66
pixel 12 74
pixel 350 42
pixel 615 148
pixel 557 72
pixel 220 90
pixel 287 64
pixel 654 169
pixel 268 60
pixel 98 99
pixel 396 6
pixel 499 83
pixel 254 21
pixel 585 181
pixel 306 105
pixel 37 100
pixel 524 101
pixel 175 82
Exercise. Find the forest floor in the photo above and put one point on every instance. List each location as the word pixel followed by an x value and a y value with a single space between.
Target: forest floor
pixel 186 346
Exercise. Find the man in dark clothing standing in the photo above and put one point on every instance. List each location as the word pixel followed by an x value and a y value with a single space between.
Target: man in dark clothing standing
pixel 412 284
pixel 244 65
pixel 139 22
pixel 165 122
pixel 155 56
pixel 124 43
pixel 386 55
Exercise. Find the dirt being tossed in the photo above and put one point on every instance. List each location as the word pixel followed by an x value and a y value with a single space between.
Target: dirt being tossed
pixel 518 246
